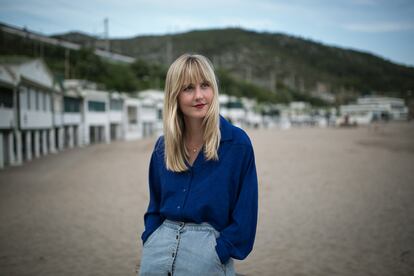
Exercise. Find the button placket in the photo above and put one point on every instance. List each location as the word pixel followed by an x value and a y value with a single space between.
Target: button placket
pixel 177 243
pixel 185 190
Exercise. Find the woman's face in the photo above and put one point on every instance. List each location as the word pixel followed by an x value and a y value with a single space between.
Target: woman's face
pixel 195 99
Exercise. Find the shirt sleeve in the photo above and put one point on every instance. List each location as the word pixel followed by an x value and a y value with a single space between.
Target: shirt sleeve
pixel 236 240
pixel 152 218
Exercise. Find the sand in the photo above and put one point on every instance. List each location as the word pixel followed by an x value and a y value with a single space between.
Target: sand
pixel 332 202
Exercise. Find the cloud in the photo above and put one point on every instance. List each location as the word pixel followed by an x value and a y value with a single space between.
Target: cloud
pixel 379 27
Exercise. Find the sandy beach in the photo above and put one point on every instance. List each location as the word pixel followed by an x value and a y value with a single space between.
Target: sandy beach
pixel 332 202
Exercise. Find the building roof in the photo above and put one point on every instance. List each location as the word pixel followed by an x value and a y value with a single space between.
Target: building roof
pixel 34 71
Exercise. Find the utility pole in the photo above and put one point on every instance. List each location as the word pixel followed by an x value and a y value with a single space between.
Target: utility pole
pixel 106 34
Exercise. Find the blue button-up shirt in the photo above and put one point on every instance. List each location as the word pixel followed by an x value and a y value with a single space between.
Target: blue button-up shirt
pixel 223 193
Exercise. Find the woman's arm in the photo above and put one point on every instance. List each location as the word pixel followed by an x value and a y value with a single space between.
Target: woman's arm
pixel 152 218
pixel 236 240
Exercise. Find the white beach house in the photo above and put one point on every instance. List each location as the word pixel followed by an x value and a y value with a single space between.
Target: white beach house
pixel 116 116
pixel 132 123
pixel 73 130
pixel 96 115
pixel 373 108
pixel 8 116
pixel 151 112
pixel 253 118
pixel 232 109
pixel 31 132
pixel 94 112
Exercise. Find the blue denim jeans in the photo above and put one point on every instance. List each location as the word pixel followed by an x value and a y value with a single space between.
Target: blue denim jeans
pixel 182 249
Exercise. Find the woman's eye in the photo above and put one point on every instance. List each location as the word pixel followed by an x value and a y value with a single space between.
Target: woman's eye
pixel 188 88
pixel 205 85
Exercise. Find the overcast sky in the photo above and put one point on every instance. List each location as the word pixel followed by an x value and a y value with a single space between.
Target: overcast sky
pixel 381 27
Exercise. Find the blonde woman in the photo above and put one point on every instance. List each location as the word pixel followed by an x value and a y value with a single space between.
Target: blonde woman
pixel 202 211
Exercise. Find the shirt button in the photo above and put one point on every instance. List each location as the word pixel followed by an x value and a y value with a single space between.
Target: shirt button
pixel 184 190
pixel 178 207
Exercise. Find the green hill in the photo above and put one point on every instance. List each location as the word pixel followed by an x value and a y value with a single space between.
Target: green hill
pixel 274 60
pixel 268 66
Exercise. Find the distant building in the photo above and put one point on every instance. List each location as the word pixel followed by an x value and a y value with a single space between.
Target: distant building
pixel 116 116
pixel 374 108
pixel 8 116
pixel 152 103
pixel 29 130
pixel 253 118
pixel 96 116
pixel 132 124
pixel 232 109
pixel 299 113
pixel 73 127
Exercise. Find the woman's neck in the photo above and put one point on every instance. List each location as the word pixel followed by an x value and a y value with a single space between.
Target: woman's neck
pixel 194 131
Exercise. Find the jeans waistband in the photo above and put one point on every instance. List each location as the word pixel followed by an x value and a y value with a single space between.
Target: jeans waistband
pixel 179 225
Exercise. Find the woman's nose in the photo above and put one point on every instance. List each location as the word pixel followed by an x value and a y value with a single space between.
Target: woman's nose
pixel 198 93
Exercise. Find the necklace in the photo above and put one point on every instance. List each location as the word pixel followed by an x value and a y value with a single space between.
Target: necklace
pixel 192 149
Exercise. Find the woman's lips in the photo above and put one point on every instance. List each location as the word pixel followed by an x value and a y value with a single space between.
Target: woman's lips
pixel 199 106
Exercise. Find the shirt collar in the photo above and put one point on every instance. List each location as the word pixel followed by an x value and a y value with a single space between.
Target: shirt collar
pixel 225 130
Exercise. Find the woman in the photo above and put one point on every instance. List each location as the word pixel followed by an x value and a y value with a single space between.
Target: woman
pixel 202 181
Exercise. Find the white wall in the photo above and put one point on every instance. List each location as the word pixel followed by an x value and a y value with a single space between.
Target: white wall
pixel 115 116
pixel 35 119
pixel 57 119
pixel 147 114
pixel 6 117
pixel 72 118
pixel 35 108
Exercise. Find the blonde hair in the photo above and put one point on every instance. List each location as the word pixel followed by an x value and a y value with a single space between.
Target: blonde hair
pixel 183 71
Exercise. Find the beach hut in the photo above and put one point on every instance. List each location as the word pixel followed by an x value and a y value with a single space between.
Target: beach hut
pixel 132 125
pixel 87 114
pixel 28 89
pixel 300 113
pixel 253 118
pixel 392 108
pixel 373 108
pixel 152 102
pixel 8 117
pixel 72 132
pixel 232 109
pixel 96 115
pixel 116 115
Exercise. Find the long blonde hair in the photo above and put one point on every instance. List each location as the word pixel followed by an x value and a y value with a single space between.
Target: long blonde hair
pixel 188 69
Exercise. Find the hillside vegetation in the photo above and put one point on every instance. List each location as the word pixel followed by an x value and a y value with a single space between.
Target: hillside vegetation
pixel 265 66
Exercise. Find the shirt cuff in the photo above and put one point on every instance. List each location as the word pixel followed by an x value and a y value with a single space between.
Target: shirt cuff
pixel 222 250
pixel 147 234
